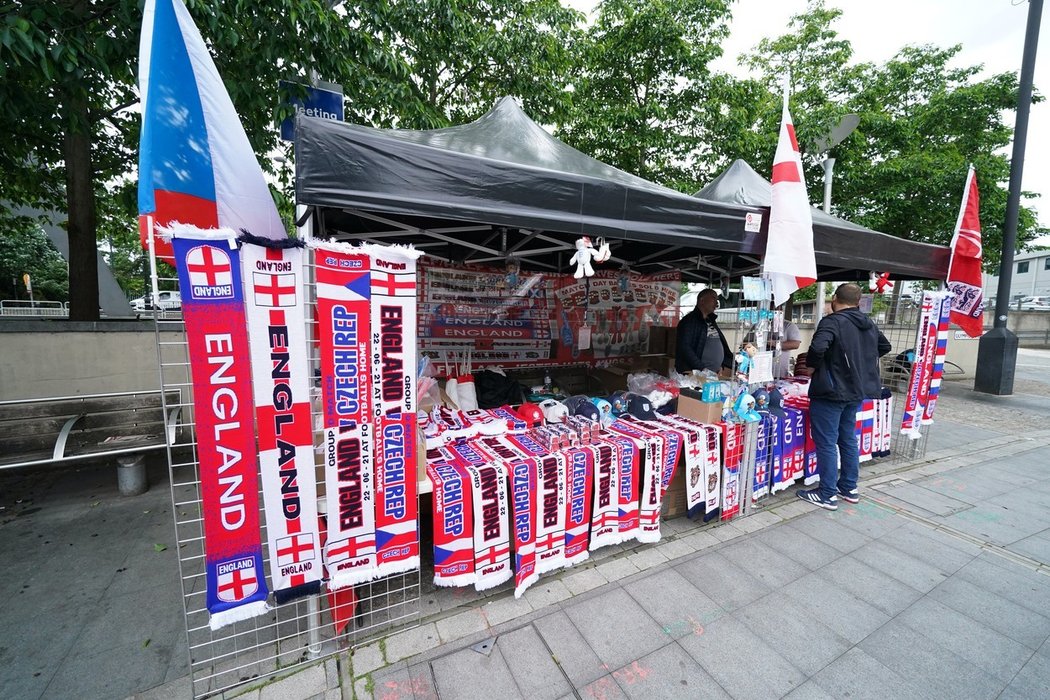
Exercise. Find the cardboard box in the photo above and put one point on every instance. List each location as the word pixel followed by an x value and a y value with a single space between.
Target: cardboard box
pixel 690 406
pixel 674 503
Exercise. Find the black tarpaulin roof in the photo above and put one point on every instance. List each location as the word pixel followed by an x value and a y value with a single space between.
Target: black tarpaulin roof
pixel 503 186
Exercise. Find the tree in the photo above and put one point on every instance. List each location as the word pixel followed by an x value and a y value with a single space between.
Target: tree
pixel 641 84
pixel 921 122
pixel 67 86
pixel 463 55
pixel 27 250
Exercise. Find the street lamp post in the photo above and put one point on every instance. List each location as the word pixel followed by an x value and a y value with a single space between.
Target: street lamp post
pixel 824 145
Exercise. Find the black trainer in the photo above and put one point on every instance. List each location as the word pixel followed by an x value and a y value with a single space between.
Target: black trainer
pixel 850 496
pixel 816 499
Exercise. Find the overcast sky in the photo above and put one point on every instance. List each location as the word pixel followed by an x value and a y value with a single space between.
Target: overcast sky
pixel 991 33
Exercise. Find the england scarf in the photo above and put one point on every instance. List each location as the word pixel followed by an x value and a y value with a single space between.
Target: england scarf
pixel 776 448
pixel 343 331
pixel 651 476
pixel 488 479
pixel 921 367
pixel 628 463
pixel 787 433
pixel 580 476
pixel 693 447
pixel 208 265
pixel 524 483
pixel 884 422
pixel 732 440
pixel 393 355
pixel 453 514
pixel 811 476
pixel 605 513
pixel 762 458
pixel 550 533
pixel 798 445
pixel 866 430
pixel 944 317
pixel 274 300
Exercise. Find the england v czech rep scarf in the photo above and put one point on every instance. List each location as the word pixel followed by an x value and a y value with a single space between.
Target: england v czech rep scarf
pixel 453 522
pixel 274 303
pixel 217 339
pixel 343 332
pixel 394 422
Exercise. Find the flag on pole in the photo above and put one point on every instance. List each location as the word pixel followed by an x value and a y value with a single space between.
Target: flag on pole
pixel 789 261
pixel 964 270
pixel 195 163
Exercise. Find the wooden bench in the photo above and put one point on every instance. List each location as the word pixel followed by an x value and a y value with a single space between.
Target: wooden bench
pixel 125 426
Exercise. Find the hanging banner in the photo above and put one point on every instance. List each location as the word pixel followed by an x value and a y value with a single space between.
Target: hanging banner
pixel 275 306
pixel 453 523
pixel 343 332
pixel 209 272
pixel 943 321
pixel 921 367
pixel 394 422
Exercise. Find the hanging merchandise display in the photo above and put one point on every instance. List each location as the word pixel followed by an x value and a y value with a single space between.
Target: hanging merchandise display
pixel 943 321
pixel 275 305
pixel 208 264
pixel 923 358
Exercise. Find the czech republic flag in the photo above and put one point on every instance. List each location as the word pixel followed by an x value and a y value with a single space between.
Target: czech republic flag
pixel 195 163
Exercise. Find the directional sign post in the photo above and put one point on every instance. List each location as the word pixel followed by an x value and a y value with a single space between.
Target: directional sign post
pixel 324 100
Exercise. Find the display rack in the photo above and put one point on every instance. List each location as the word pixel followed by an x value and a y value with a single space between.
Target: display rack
pixel 290 635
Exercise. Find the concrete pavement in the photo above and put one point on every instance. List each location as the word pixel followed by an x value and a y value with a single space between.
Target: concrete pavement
pixel 935 585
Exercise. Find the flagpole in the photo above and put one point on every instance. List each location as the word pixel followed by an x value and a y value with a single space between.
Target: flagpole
pixel 997 352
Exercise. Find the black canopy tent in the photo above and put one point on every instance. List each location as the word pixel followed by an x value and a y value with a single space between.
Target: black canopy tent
pixel 502 186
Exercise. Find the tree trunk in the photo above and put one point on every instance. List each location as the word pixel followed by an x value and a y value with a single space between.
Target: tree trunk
pixel 80 198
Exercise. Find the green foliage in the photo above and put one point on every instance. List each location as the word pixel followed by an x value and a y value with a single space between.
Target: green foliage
pixel 24 248
pixel 641 84
pixel 922 121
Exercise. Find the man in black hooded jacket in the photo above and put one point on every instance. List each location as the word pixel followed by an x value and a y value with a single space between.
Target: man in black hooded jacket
pixel 844 355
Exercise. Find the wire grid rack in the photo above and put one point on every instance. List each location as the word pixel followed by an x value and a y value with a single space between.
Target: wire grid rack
pixel 900 328
pixel 297 632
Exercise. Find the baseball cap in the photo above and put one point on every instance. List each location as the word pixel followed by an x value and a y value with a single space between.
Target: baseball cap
pixel 554 411
pixel 605 410
pixel 640 407
pixel 618 400
pixel 581 406
pixel 531 414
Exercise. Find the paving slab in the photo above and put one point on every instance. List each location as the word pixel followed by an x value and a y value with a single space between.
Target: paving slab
pixel 616 638
pixel 723 651
pixel 674 603
pixel 797 546
pixel 944 552
pixel 574 655
pixel 931 501
pixel 467 674
pixel 820 525
pixel 668 672
pixel 992 610
pixel 722 581
pixel 764 563
pixel 839 610
pixel 859 676
pixel 584 580
pixel 536 673
pixel 874 587
pixel 1020 585
pixel 945 675
pixel 904 568
pixel 788 627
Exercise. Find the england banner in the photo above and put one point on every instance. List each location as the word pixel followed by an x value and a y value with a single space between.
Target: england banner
pixel 274 303
pixel 964 269
pixel 921 367
pixel 343 331
pixel 943 320
pixel 208 264
pixel 394 423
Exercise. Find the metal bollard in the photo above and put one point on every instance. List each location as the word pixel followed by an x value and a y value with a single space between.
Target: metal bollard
pixel 131 475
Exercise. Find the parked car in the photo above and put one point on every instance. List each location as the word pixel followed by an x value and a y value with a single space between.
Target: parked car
pixel 166 301
pixel 1035 304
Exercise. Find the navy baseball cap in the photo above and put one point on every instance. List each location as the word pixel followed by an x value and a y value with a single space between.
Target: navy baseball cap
pixel 582 406
pixel 640 407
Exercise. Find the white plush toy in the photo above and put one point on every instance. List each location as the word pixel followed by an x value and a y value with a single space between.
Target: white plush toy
pixel 585 252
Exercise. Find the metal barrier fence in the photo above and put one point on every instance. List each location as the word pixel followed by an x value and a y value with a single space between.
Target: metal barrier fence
pixel 20 307
pixel 291 634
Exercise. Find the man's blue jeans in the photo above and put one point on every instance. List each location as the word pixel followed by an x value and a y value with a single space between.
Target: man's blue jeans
pixel 834 428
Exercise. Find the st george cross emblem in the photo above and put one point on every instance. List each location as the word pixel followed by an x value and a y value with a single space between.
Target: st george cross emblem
pixel 274 290
pixel 237 580
pixel 210 272
pixel 294 549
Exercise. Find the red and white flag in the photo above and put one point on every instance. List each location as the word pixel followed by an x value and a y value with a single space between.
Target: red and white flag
pixel 790 261
pixel 964 270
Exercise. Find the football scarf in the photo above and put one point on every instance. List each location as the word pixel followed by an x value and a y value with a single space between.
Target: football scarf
pixel 628 460
pixel 208 264
pixel 394 424
pixel 921 368
pixel 605 512
pixel 651 479
pixel 578 482
pixel 776 449
pixel 343 331
pixel 798 445
pixel 453 514
pixel 762 458
pixel 694 444
pixel 488 480
pixel 550 532
pixel 787 433
pixel 866 430
pixel 524 481
pixel 810 474
pixel 732 441
pixel 274 303
pixel 884 416
pixel 945 310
